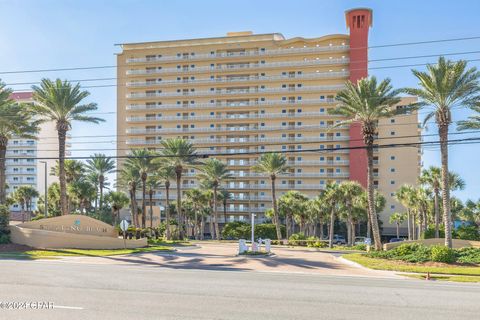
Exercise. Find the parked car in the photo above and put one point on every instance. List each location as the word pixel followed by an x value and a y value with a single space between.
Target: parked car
pixel 359 240
pixel 338 239
pixel 396 240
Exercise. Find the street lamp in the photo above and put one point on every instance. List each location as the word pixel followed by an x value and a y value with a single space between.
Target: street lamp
pixel 46 189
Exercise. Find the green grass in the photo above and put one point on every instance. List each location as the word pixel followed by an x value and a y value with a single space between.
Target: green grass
pixel 42 254
pixel 171 243
pixel 393 265
pixel 445 278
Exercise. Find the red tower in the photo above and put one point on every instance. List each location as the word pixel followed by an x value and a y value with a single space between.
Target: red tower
pixel 359 22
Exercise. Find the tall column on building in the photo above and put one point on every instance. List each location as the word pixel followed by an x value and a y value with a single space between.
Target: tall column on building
pixel 359 22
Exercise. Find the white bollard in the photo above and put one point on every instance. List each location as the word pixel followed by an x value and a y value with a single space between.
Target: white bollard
pixel 254 247
pixel 268 243
pixel 242 246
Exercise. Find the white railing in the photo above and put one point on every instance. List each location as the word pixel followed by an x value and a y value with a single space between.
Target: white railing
pixel 232 116
pixel 239 66
pixel 316 75
pixel 249 53
pixel 222 105
pixel 227 129
pixel 255 91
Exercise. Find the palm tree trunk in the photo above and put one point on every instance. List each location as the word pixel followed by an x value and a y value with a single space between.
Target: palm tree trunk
pixel 150 194
pixel 398 230
pixel 437 212
pixel 3 182
pixel 443 132
pixel 349 225
pixel 224 213
pixel 288 224
pixel 275 210
pixel 215 214
pixel 144 204
pixel 62 135
pixel 408 225
pixel 321 231
pixel 181 233
pixel 330 231
pixel 371 200
pixel 167 210
pixel 101 182
pixel 352 228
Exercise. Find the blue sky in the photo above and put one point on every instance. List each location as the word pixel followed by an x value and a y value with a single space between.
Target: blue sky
pixel 66 33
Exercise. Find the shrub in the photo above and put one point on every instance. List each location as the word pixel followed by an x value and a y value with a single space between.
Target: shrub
pixel 236 230
pixel 430 233
pixel 316 243
pixel 468 255
pixel 38 217
pixel 467 233
pixel 4 218
pixel 361 247
pixel 297 239
pixel 268 231
pixel 409 252
pixel 442 254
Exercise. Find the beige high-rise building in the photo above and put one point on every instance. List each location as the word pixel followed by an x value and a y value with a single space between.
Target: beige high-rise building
pixel 243 94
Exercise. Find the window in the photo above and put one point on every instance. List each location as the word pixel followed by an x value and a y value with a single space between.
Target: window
pixel 392 169
pixel 392 207
pixel 392 133
pixel 392 120
pixel 392 157
pixel 392 181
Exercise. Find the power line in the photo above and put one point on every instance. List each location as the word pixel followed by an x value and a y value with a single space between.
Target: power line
pixel 320 150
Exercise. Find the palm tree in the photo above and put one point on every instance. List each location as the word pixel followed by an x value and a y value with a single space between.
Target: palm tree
pixel 82 191
pixel 141 161
pixel 153 183
pixel 405 195
pixel 397 219
pixel 166 173
pixel 15 121
pixel 290 204
pixel 214 171
pixel 61 102
pixel 225 195
pixel 24 196
pixel 117 200
pixel 100 165
pixel 350 190
pixel 180 154
pixel 332 196
pixel 273 164
pixel 366 102
pixel 473 121
pixel 444 86
pixel 196 198
pixel 431 177
pixel 129 179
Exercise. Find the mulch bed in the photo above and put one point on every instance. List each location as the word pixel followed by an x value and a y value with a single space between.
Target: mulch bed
pixel 12 247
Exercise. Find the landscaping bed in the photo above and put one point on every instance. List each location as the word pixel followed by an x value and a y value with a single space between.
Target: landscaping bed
pixel 12 251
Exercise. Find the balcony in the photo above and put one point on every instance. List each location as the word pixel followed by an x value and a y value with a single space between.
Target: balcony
pixel 227 129
pixel 223 105
pixel 240 54
pixel 256 116
pixel 240 66
pixel 207 81
pixel 242 92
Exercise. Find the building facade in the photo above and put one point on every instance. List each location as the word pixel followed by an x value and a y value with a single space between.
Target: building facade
pixel 237 96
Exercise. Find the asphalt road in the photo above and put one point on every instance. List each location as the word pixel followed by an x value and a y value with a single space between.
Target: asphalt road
pixel 92 291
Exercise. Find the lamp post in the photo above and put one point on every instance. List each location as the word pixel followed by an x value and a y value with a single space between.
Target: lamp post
pixel 46 189
pixel 253 228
